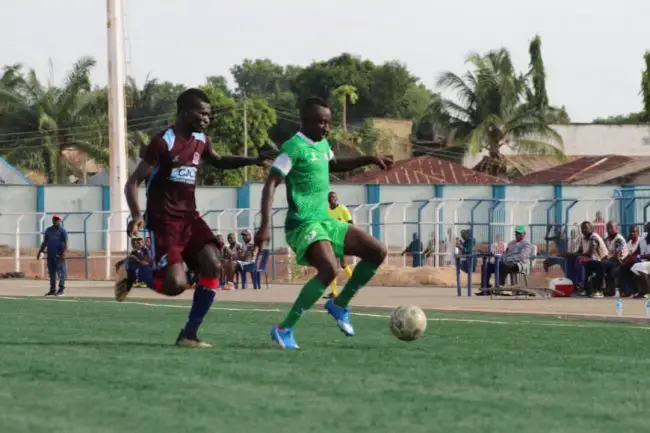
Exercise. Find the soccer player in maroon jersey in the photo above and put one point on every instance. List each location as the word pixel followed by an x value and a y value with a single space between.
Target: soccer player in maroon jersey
pixel 170 163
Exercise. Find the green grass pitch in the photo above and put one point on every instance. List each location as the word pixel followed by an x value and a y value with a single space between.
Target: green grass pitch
pixel 91 366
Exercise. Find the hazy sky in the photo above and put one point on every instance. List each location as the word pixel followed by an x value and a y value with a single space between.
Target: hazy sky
pixel 593 49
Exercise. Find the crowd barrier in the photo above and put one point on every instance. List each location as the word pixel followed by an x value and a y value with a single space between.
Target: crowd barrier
pixel 437 223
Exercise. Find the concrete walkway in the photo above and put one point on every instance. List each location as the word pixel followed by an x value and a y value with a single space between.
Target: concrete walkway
pixel 443 299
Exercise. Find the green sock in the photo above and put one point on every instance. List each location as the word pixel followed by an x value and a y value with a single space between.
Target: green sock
pixel 309 295
pixel 361 275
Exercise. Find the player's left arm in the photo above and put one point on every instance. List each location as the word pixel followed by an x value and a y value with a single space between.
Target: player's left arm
pixel 347 164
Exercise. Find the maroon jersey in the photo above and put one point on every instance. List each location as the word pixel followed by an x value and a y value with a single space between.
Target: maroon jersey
pixel 171 186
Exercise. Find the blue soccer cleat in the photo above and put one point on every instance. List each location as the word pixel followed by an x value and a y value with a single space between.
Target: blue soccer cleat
pixel 342 316
pixel 284 337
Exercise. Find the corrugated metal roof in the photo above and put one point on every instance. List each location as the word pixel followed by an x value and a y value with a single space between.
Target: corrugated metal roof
pixel 576 171
pixel 425 170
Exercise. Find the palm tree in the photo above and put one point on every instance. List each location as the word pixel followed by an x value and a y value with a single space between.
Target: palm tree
pixel 345 93
pixel 490 111
pixel 645 86
pixel 57 119
pixel 151 107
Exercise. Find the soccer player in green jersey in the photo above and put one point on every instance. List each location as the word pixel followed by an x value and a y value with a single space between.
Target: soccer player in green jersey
pixel 304 164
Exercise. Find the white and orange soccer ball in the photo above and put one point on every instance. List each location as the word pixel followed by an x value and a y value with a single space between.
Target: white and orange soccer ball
pixel 408 322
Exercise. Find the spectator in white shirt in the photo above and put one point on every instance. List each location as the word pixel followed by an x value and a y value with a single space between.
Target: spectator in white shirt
pixel 592 250
pixel 641 270
pixel 616 253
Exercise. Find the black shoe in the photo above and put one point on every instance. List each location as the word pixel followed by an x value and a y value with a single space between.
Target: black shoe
pixel 51 293
pixel 60 292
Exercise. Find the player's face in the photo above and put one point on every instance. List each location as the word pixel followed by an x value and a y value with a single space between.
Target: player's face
pixel 220 240
pixel 246 237
pixel 231 239
pixel 317 126
pixel 198 117
pixel 147 242
pixel 333 199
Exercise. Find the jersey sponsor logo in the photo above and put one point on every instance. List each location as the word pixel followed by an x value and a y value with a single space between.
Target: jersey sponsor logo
pixel 310 236
pixel 175 159
pixel 313 156
pixel 196 158
pixel 183 174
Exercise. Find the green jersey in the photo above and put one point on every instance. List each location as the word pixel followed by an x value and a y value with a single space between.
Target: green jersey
pixel 304 165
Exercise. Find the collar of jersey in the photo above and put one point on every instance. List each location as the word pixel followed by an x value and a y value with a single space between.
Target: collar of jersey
pixel 304 138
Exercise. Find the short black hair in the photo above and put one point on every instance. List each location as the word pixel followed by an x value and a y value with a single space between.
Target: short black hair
pixel 188 98
pixel 310 103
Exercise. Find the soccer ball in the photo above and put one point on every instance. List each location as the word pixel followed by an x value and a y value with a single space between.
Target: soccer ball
pixel 408 322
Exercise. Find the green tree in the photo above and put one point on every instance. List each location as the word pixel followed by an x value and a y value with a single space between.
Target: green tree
pixel 57 118
pixel 227 130
pixel 344 94
pixel 490 111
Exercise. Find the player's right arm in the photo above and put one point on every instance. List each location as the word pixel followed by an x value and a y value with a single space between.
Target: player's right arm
pixel 150 158
pixel 280 169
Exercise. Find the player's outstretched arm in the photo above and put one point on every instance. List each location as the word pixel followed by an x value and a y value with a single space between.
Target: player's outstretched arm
pixel 231 162
pixel 347 164
pixel 263 235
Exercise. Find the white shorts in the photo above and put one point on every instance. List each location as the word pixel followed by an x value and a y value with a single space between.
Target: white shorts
pixel 641 268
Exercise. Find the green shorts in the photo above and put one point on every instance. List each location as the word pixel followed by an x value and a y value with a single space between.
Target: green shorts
pixel 301 237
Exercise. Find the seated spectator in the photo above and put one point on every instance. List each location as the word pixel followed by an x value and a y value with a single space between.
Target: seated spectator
pixel 626 281
pixel 641 269
pixel 227 264
pixel 415 249
pixel 616 253
pixel 465 247
pixel 231 253
pixel 565 255
pixel 514 259
pixel 139 264
pixel 591 252
pixel 246 262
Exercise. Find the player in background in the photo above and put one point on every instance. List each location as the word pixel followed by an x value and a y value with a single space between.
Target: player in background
pixel 340 213
pixel 304 164
pixel 170 163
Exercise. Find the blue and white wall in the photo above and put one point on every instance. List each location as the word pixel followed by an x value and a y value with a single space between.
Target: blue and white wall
pixel 391 212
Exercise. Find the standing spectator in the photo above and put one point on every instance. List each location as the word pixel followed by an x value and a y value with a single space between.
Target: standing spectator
pixel 55 241
pixel 599 224
pixel 515 258
pixel 340 213
pixel 616 253
pixel 415 248
pixel 592 250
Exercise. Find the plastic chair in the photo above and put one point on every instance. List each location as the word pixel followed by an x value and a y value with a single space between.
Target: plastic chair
pixel 263 260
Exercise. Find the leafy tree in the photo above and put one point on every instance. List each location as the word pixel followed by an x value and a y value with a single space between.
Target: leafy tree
pixel 226 131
